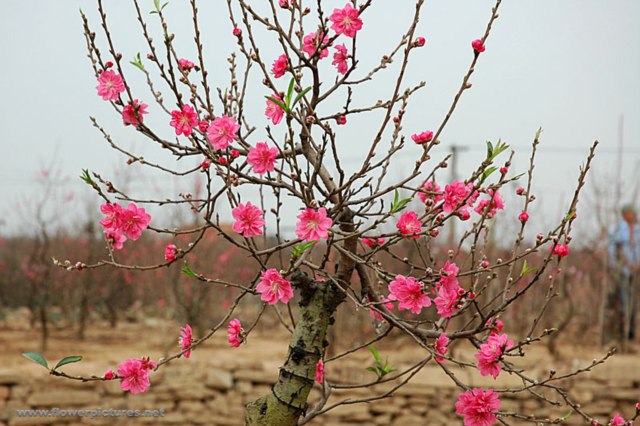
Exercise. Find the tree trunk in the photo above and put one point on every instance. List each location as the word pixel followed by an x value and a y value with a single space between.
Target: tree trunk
pixel 288 398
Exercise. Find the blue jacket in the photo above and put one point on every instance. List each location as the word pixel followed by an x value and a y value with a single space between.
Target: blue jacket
pixel 619 241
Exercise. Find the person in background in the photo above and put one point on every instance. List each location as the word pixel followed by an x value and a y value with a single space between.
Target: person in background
pixel 624 255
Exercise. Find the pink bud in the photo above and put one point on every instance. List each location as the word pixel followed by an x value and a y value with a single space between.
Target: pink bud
pixel 519 190
pixel 342 120
pixel 524 216
pixel 223 161
pixel 109 375
pixel 464 214
pixel 235 153
pixel 237 32
pixel 484 263
pixel 539 237
pixel 503 170
pixel 205 164
pixel 435 233
pixel 478 45
pixel 420 41
pixel 109 64
pixel 423 137
pixel 203 126
pixel 284 4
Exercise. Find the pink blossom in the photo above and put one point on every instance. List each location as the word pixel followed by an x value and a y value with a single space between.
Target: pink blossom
pixel 311 43
pixel 113 215
pixel 313 224
pixel 280 66
pixel 408 291
pixel 346 21
pixel 523 217
pixel 449 276
pixel 492 204
pixel 135 375
pixel 274 287
pixel 222 131
pixel 446 302
pixel 109 86
pixel 387 304
pixel 409 224
pixel 490 353
pixel 478 406
pixel 420 41
pixel 185 340
pixel 134 221
pixel 235 333
pixel 424 137
pixel 478 45
pixel 340 58
pixel 441 346
pixel 372 242
pixel 319 377
pixel 130 110
pixel 274 112
pixel 170 252
pixel 115 237
pixel 262 158
pixel 184 120
pixel 185 65
pixel 284 4
pixel 430 191
pixel 109 375
pixel 561 250
pixel 495 325
pixel 455 195
pixel 617 420
pixel 249 220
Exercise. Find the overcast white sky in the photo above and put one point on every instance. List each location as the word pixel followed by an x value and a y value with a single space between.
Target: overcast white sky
pixel 570 66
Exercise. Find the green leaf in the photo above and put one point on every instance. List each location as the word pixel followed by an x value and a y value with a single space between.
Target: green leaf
pixel 68 360
pixel 566 416
pixel 278 102
pixel 376 355
pixel 571 215
pixel 526 270
pixel 36 357
pixel 489 149
pixel 398 204
pixel 518 176
pixel 487 173
pixel 301 248
pixel 539 132
pixel 300 95
pixel 494 151
pixel 86 176
pixel 137 62
pixel 187 271
pixel 287 98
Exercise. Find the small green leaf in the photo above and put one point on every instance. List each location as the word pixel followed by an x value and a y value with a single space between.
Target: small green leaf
pixel 398 204
pixel 526 270
pixel 518 176
pixel 566 416
pixel 571 215
pixel 538 133
pixel 86 176
pixel 489 149
pixel 187 270
pixel 137 62
pixel 300 95
pixel 278 102
pixel 494 151
pixel 287 98
pixel 376 355
pixel 36 357
pixel 487 173
pixel 301 248
pixel 68 360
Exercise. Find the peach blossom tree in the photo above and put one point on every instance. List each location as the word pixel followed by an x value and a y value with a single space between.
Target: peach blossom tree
pixel 267 174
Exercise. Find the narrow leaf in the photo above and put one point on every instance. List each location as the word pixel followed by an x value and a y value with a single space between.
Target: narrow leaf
pixel 300 95
pixel 289 93
pixel 278 102
pixel 68 360
pixel 36 357
pixel 187 270
pixel 301 248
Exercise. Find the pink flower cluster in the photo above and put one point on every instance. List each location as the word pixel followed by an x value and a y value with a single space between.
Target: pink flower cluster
pixel 458 196
pixel 222 131
pixel 274 112
pixel 408 291
pixel 313 224
pixel 410 225
pixel 561 250
pixel 449 290
pixel 121 224
pixel 170 252
pixel 110 85
pixel 185 340
pixel 441 347
pixel 274 287
pixel 340 58
pixel 431 191
pixel 249 220
pixel 184 120
pixel 262 158
pixel 134 375
pixel 134 113
pixel 280 66
pixel 372 242
pixel 478 407
pixel 346 21
pixel 235 333
pixel 491 352
pixel 491 205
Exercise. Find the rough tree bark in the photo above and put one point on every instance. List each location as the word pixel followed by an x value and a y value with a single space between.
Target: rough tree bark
pixel 288 398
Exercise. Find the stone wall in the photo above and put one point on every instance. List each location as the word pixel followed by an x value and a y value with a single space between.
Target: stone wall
pixel 199 393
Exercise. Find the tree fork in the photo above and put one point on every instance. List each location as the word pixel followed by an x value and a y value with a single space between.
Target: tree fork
pixel 288 398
